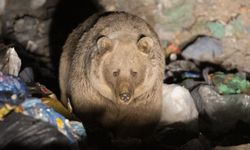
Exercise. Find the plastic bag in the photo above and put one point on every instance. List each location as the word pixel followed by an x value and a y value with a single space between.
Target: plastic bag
pixel 178 105
pixel 13 92
pixel 23 132
pixel 223 111
pixel 10 63
pixel 179 117
pixel 35 108
pixel 230 83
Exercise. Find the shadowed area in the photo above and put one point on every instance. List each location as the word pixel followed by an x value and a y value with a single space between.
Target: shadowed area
pixel 66 17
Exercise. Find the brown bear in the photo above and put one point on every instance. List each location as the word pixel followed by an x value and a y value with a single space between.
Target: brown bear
pixel 111 72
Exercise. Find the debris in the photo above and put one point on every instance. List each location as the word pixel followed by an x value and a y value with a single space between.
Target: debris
pixel 181 69
pixel 190 74
pixel 204 49
pixel 4 110
pixel 35 108
pixel 178 105
pixel 181 65
pixel 230 83
pixel 10 63
pixel 12 89
pixel 27 75
pixel 19 131
pixel 172 48
pixel 57 106
pixel 179 118
pixel 173 57
pixel 223 111
pixel 38 90
pixel 78 130
pixel 190 84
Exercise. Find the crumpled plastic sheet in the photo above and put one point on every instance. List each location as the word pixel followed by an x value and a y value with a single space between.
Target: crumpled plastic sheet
pixel 12 90
pixel 178 105
pixel 230 83
pixel 10 63
pixel 35 108
pixel 204 49
pixel 224 111
pixel 23 132
pixel 78 129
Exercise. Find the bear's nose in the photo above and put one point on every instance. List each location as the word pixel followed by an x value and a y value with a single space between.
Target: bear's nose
pixel 125 96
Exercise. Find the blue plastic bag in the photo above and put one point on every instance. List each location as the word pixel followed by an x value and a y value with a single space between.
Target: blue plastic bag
pixel 13 90
pixel 35 108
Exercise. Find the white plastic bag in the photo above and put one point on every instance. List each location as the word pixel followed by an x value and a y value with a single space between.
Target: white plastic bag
pixel 177 106
pixel 10 63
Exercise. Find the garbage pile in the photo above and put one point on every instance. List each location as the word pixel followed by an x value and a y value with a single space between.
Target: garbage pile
pixel 221 95
pixel 31 117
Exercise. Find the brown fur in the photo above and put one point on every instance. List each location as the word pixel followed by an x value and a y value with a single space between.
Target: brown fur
pixel 88 73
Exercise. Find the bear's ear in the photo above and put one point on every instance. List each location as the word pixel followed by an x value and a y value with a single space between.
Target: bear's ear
pixel 145 44
pixel 104 44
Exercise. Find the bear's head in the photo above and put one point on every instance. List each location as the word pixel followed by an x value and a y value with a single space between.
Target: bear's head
pixel 124 66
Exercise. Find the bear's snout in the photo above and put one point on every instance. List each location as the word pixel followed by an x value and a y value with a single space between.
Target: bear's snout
pixel 124 91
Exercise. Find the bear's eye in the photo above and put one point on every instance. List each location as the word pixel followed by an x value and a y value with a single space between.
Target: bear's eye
pixel 116 73
pixel 133 73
